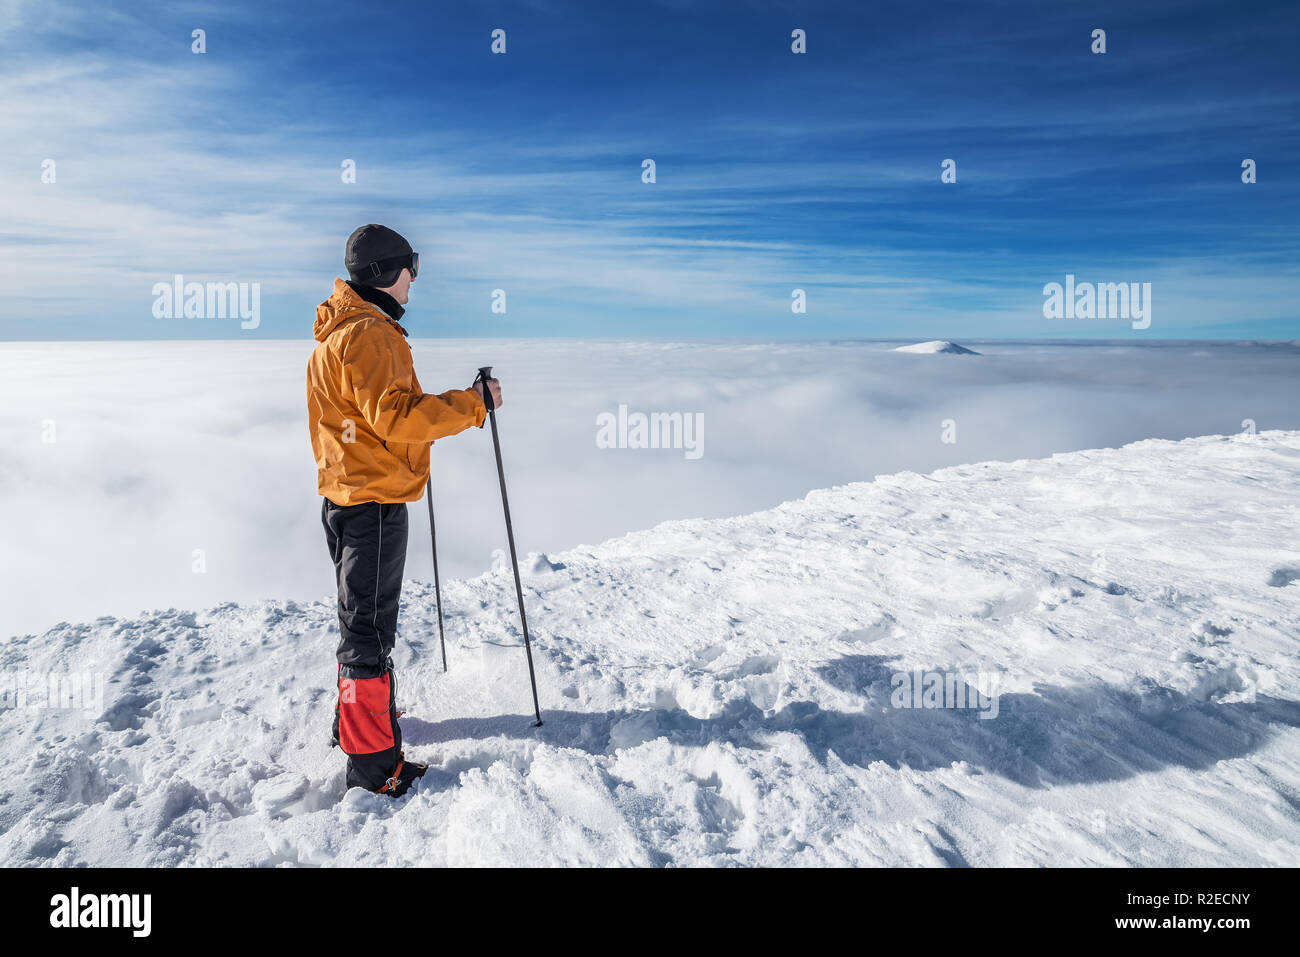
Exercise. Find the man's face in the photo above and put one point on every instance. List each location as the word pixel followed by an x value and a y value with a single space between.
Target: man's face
pixel 401 290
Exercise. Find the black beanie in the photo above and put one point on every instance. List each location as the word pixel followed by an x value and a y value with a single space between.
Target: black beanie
pixel 373 243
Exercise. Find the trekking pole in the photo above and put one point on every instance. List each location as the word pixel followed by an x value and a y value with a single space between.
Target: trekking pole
pixel 485 373
pixel 437 585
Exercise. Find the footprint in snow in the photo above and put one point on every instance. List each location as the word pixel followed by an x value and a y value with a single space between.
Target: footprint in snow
pixel 707 655
pixel 1284 576
pixel 758 665
pixel 882 628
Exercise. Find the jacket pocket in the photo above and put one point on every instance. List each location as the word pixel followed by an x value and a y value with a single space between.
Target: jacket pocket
pixel 398 451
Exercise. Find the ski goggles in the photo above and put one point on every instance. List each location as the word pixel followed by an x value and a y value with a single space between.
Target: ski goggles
pixel 381 266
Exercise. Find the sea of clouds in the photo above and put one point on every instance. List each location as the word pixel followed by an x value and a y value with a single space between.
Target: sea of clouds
pixel 121 460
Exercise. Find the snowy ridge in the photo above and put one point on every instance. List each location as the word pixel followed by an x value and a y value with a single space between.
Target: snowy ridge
pixel 719 692
pixel 937 347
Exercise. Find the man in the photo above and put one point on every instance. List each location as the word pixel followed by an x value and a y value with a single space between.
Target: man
pixel 371 428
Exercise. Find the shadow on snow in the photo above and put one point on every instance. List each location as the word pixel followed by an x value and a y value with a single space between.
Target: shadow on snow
pixel 1081 734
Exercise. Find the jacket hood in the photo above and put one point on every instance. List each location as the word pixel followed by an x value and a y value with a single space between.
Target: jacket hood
pixel 342 306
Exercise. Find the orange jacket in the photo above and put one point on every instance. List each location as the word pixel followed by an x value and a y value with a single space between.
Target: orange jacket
pixel 371 426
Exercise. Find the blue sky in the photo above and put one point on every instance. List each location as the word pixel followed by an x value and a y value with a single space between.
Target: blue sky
pixel 775 171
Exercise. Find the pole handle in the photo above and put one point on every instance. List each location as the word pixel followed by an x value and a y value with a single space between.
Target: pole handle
pixel 485 373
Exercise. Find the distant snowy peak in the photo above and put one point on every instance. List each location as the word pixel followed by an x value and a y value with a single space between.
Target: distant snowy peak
pixel 936 346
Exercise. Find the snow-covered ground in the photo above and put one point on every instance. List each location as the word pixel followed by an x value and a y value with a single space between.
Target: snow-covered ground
pixel 723 691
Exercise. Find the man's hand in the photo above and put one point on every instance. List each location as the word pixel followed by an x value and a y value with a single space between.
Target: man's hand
pixel 494 385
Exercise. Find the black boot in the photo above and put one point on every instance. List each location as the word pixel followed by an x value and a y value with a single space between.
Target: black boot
pixel 403 777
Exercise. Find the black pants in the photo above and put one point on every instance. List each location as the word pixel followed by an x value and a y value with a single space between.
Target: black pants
pixel 368 545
